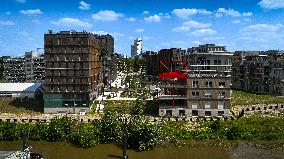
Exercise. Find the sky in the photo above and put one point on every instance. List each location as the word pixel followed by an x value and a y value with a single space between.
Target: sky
pixel 237 24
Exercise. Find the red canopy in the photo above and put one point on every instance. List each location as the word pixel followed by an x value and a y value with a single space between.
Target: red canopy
pixel 173 75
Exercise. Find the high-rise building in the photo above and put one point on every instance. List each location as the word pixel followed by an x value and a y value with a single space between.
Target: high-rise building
pixel 136 48
pixel 73 71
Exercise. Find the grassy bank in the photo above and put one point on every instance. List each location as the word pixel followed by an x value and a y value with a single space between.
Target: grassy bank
pixel 240 98
pixel 143 134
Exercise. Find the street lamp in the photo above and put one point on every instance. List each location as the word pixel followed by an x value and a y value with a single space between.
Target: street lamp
pixel 66 105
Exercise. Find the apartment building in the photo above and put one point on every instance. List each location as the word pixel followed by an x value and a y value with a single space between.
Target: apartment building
pixel 194 83
pixel 259 72
pixel 209 81
pixel 109 60
pixel 73 71
pixel 27 68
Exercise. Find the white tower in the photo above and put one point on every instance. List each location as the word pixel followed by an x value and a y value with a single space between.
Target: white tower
pixel 136 48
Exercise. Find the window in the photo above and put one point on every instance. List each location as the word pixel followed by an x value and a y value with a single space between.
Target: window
pixel 194 105
pixel 221 84
pixel 195 94
pixel 207 113
pixel 220 105
pixel 181 112
pixel 208 95
pixel 168 112
pixel 221 95
pixel 207 105
pixel 195 84
pixel 220 113
pixel 194 113
pixel 208 84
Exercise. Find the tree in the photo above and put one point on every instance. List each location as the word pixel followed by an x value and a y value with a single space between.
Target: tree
pixel 85 135
pixel 143 135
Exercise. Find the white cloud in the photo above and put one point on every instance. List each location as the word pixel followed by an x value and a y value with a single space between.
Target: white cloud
pixel 196 42
pixel 236 21
pixel 146 12
pixel 229 12
pixel 114 34
pixel 204 32
pixel 31 12
pixel 262 28
pixel 21 1
pixel 269 33
pixel 72 22
pixel 247 14
pixel 186 26
pixel 154 18
pixel 84 5
pixel 140 30
pixel 6 22
pixel 271 4
pixel 164 15
pixel 107 15
pixel 187 12
pixel 130 19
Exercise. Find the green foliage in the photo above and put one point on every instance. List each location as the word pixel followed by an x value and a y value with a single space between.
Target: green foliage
pixel 144 135
pixel 60 129
pixel 240 98
pixel 1 68
pixel 85 135
pixel 110 126
pixel 127 65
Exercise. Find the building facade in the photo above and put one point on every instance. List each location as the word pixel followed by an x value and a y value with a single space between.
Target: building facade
pixel 109 60
pixel 136 48
pixel 209 81
pixel 73 71
pixel 196 82
pixel 28 68
pixel 259 72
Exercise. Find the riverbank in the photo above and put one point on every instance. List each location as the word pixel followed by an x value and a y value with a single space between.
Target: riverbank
pixel 194 149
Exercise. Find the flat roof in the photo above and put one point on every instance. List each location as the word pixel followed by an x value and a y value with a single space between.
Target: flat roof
pixel 19 87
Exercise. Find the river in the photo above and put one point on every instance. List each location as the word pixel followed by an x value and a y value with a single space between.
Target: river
pixel 191 150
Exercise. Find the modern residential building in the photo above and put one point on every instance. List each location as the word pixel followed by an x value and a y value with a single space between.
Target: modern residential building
pixel 28 68
pixel 197 87
pixel 259 72
pixel 153 60
pixel 209 81
pixel 73 71
pixel 109 60
pixel 136 48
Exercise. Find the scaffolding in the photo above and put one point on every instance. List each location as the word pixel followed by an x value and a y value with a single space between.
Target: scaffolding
pixel 173 78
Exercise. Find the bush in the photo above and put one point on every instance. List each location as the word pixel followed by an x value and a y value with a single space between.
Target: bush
pixel 60 129
pixel 110 126
pixel 85 135
pixel 144 135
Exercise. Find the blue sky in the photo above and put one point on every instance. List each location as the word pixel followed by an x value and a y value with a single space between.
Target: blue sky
pixel 237 24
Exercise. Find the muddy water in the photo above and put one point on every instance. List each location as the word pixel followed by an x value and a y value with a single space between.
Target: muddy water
pixel 192 150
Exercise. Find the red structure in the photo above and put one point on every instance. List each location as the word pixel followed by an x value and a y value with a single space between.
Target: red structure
pixel 173 75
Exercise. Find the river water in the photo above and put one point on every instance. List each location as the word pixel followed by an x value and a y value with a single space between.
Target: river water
pixel 190 150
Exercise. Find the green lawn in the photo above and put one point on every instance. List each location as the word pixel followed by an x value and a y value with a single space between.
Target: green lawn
pixel 240 98
pixel 27 106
